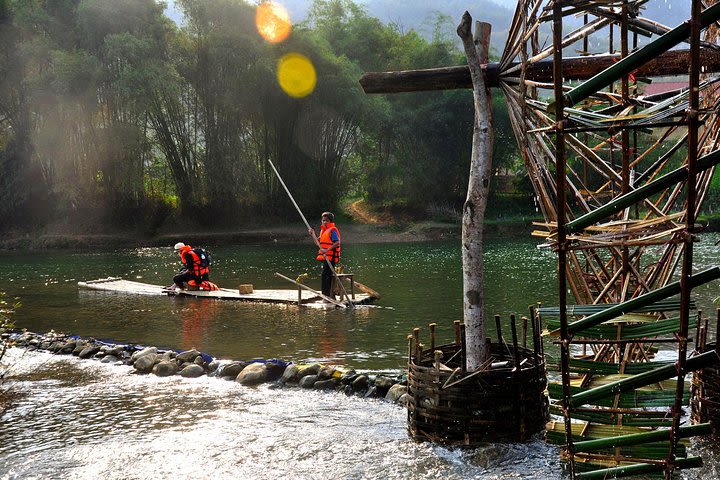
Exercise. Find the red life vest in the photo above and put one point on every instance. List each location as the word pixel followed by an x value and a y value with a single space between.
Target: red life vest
pixel 196 268
pixel 326 242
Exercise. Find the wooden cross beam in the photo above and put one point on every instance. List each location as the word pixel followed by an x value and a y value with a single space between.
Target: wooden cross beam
pixel 673 62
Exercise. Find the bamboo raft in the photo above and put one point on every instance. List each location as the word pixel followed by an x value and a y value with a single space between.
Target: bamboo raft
pixel 303 297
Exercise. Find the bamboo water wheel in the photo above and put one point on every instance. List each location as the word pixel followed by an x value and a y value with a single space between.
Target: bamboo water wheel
pixel 619 176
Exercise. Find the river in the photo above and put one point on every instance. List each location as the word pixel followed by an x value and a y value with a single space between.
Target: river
pixel 86 418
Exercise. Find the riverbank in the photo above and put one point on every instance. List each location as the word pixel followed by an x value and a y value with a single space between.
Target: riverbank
pixel 358 233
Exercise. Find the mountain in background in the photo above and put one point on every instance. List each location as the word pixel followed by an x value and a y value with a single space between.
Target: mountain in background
pixel 422 15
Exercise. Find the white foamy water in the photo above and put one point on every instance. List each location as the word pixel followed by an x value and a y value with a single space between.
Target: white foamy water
pixel 91 420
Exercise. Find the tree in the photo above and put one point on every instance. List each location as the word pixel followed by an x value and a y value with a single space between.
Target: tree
pixel 478 192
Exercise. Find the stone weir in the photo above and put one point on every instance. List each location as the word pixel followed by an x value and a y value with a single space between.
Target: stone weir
pixel 193 364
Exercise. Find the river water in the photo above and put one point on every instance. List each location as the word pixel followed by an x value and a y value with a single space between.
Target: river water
pixel 85 418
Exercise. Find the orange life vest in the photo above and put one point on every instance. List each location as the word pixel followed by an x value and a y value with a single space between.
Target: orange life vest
pixel 326 242
pixel 198 270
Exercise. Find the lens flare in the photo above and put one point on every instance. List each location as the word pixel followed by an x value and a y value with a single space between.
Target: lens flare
pixel 296 75
pixel 272 21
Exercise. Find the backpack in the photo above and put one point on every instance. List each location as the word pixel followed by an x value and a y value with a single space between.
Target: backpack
pixel 204 256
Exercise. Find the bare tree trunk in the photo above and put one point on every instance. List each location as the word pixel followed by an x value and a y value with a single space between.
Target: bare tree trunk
pixel 476 51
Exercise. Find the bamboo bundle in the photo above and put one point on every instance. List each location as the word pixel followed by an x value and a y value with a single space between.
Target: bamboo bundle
pixel 657 436
pixel 642 332
pixel 642 379
pixel 577 310
pixel 634 399
pixel 607 368
pixel 638 469
pixel 647 299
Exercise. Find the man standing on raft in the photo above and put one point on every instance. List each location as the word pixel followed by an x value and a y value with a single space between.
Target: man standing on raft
pixel 329 240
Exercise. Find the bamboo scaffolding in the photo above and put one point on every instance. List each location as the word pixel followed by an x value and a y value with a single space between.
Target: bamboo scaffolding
pixel 637 58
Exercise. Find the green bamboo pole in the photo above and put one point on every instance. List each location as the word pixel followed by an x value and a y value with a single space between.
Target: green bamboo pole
pixel 636 59
pixel 641 193
pixel 661 306
pixel 662 293
pixel 639 438
pixel 638 469
pixel 643 379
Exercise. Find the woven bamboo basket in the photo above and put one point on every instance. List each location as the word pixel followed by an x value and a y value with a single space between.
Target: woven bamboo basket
pixel 452 407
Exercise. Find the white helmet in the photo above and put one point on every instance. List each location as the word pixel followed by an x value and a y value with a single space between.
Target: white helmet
pixel 179 246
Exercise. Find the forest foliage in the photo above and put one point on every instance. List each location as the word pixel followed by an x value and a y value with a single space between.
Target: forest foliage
pixel 113 115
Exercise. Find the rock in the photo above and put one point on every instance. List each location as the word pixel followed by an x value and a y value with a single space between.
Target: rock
pixel 89 351
pixel 326 373
pixel 79 347
pixel 213 366
pixel 383 383
pixel 404 399
pixel 68 347
pixel 327 384
pixel 167 356
pixel 360 383
pixel 313 369
pixel 348 377
pixel 290 375
pixel 395 392
pixel 253 374
pixel 145 363
pixel 274 370
pixel 199 361
pixel 109 359
pixel 56 347
pixel 192 371
pixel 116 352
pixel 308 381
pixel 232 369
pixel 188 356
pixel 142 353
pixel 165 368
pixel 372 392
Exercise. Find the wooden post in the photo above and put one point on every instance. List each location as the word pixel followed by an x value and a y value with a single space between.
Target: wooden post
pixel 463 348
pixel 499 329
pixel 416 338
pixel 456 325
pixel 516 350
pixel 432 335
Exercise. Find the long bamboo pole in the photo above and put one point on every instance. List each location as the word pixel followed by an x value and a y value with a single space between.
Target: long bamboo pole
pixel 317 242
pixel 561 202
pixel 305 287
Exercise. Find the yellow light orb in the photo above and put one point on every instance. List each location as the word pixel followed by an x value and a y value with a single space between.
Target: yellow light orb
pixel 296 75
pixel 272 21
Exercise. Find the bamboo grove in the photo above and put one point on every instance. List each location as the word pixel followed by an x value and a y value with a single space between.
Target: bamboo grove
pixel 111 114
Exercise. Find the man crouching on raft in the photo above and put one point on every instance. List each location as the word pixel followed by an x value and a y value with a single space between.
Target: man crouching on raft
pixel 195 268
pixel 329 240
